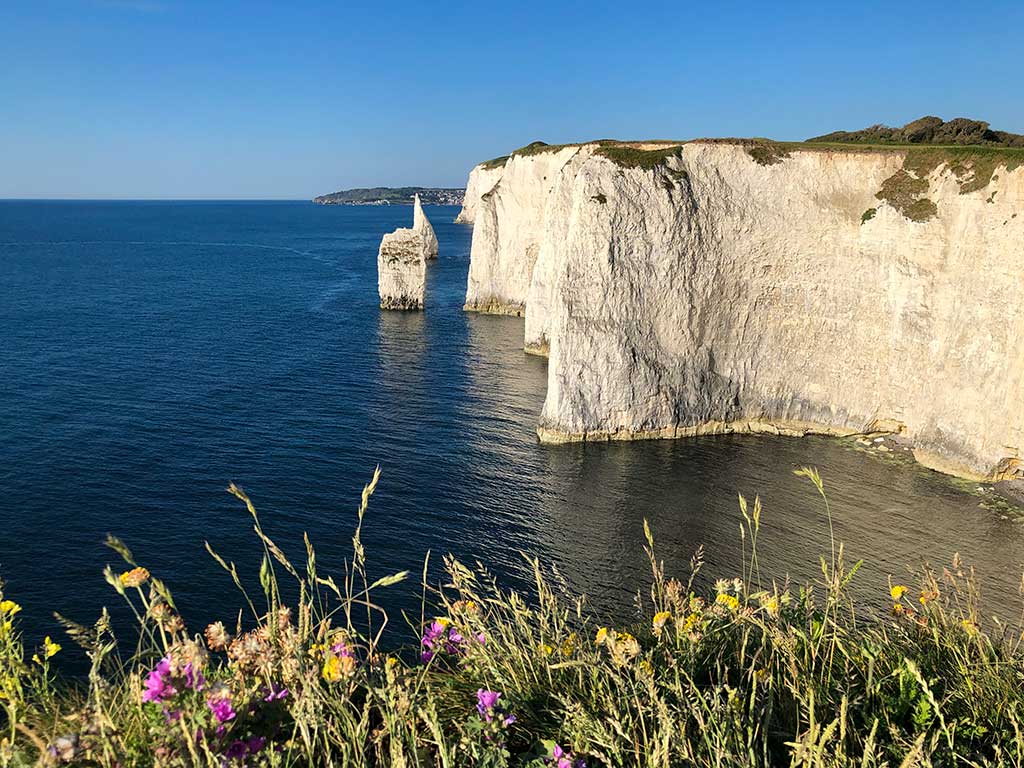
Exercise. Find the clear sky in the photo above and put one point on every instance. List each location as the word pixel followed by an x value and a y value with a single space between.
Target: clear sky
pixel 224 99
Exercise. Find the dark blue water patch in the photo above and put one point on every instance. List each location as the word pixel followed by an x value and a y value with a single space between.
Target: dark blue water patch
pixel 153 352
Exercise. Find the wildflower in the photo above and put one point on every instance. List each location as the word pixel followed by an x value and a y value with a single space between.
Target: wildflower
pixel 969 627
pixel 625 648
pixel 488 708
pixel 691 622
pixel 217 636
pixel 563 758
pixel 9 608
pixel 50 649
pixel 275 693
pixel 432 638
pixel 602 636
pixel 339 662
pixel 158 682
pixel 729 601
pixel 193 677
pixel 927 596
pixel 722 586
pixel 136 577
pixel 569 645
pixel 897 591
pixel 331 671
pixel 220 706
pixel 771 605
pixel 64 748
pixel 660 619
pixel 237 750
pixel 546 649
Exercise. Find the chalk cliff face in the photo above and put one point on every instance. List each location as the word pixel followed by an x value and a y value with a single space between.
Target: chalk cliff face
pixel 421 224
pixel 481 181
pixel 717 293
pixel 501 266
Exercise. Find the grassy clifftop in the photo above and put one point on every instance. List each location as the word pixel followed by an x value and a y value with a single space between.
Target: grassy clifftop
pixel 960 131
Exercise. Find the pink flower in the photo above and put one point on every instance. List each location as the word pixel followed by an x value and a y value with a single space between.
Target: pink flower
pixel 221 708
pixel 158 682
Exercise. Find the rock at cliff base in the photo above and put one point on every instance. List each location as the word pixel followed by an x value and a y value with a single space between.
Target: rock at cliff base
pixel 421 224
pixel 402 269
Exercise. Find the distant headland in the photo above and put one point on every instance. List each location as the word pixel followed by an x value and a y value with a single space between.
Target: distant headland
pixel 392 196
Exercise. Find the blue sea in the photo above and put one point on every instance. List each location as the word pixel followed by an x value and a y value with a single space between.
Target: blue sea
pixel 153 352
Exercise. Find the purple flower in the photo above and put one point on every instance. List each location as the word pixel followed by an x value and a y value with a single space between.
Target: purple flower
pixel 236 751
pixel 431 641
pixel 274 693
pixel 221 708
pixel 486 701
pixel 256 744
pixel 158 682
pixel 194 678
pixel 563 758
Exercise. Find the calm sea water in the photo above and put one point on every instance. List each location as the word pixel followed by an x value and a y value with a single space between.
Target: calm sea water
pixel 152 352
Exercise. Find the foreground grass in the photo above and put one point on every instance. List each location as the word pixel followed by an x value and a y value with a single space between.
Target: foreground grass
pixel 755 673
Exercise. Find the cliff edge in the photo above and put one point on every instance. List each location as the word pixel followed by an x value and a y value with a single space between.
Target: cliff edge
pixel 727 285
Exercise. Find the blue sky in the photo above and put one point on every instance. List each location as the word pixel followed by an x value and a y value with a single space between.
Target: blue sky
pixel 210 99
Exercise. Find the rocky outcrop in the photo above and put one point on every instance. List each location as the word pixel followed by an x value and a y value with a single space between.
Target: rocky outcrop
pixel 481 181
pixel 421 224
pixel 402 269
pixel 402 262
pixel 738 288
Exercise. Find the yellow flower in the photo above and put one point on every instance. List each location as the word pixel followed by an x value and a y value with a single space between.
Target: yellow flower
pixel 136 577
pixel 50 648
pixel 897 591
pixel 332 669
pixel 546 649
pixel 569 645
pixel 691 622
pixel 927 596
pixel 444 621
pixel 771 604
pixel 729 601
pixel 9 607
pixel 660 619
pixel 602 636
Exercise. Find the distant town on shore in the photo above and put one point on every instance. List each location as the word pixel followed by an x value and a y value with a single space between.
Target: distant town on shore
pixel 392 196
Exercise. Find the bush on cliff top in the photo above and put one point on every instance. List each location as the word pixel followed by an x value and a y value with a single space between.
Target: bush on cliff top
pixel 755 673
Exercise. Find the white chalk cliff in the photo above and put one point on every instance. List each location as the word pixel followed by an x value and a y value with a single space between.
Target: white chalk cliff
pixel 481 181
pixel 716 292
pixel 421 224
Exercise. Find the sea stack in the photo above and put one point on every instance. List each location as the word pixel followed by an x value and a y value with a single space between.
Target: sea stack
pixel 402 262
pixel 421 224
pixel 402 269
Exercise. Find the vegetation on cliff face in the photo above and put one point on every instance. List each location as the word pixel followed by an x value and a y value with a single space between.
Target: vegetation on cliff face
pixel 758 672
pixel 928 130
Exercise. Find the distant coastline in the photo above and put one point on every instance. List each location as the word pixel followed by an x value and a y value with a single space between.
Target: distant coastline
pixel 393 196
